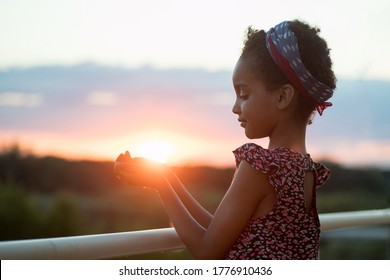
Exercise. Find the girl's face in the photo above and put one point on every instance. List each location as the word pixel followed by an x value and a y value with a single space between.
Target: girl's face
pixel 255 104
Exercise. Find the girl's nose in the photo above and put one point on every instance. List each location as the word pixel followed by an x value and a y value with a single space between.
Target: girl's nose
pixel 236 108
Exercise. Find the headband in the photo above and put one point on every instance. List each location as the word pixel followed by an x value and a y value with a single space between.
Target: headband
pixel 282 45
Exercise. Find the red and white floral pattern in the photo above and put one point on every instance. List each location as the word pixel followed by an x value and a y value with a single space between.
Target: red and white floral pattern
pixel 288 231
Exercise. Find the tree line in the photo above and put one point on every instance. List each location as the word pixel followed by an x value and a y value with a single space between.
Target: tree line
pixel 51 196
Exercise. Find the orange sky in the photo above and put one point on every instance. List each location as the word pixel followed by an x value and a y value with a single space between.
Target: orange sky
pixel 189 149
pixel 176 148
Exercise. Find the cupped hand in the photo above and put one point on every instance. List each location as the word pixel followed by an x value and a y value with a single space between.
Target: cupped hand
pixel 139 171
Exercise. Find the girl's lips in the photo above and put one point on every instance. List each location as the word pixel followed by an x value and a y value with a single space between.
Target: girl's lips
pixel 242 123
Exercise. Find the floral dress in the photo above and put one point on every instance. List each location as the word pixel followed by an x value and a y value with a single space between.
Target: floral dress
pixel 288 231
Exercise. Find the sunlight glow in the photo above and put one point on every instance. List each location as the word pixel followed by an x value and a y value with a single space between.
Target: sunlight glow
pixel 157 150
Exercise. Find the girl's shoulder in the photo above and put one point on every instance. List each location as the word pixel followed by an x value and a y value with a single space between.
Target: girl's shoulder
pixel 258 157
pixel 279 159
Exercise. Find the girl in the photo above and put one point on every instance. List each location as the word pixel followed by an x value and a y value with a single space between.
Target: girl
pixel 269 210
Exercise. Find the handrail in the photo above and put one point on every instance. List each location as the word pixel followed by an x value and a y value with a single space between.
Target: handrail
pixel 104 246
pixel 99 246
pixel 330 221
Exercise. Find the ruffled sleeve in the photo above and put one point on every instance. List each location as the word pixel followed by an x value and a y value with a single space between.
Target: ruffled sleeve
pixel 322 174
pixel 259 158
pixel 280 164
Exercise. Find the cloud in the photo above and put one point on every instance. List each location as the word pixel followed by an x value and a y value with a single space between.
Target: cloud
pixel 20 99
pixel 102 98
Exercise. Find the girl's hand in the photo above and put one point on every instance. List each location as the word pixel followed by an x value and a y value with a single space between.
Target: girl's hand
pixel 140 171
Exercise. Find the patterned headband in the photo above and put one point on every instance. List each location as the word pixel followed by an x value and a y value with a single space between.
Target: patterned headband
pixel 282 45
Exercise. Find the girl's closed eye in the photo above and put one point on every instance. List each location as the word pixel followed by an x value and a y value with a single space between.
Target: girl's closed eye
pixel 243 95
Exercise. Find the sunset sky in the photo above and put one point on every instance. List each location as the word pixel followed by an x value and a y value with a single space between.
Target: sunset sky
pixel 168 35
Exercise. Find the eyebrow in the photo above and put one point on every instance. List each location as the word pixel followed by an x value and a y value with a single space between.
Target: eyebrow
pixel 240 85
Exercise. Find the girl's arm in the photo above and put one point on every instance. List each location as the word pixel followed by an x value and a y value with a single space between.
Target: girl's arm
pixel 197 211
pixel 247 190
pixel 142 172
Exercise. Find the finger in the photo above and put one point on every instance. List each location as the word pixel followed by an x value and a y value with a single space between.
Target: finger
pixel 120 157
pixel 122 165
pixel 127 167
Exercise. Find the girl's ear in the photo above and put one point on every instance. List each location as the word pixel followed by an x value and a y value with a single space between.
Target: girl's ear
pixel 284 96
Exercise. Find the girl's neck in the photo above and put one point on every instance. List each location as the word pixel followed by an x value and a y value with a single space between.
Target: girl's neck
pixel 291 137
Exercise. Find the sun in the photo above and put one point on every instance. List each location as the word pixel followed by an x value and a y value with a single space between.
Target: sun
pixel 157 150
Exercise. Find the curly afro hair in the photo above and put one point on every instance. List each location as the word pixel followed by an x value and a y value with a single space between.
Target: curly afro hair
pixel 314 52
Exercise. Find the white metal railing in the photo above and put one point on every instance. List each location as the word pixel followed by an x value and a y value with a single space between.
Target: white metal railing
pixel 103 246
pixel 339 220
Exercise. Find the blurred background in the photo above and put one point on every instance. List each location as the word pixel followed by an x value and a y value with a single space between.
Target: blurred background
pixel 82 81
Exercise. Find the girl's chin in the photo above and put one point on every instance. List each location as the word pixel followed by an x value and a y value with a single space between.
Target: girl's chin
pixel 251 135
